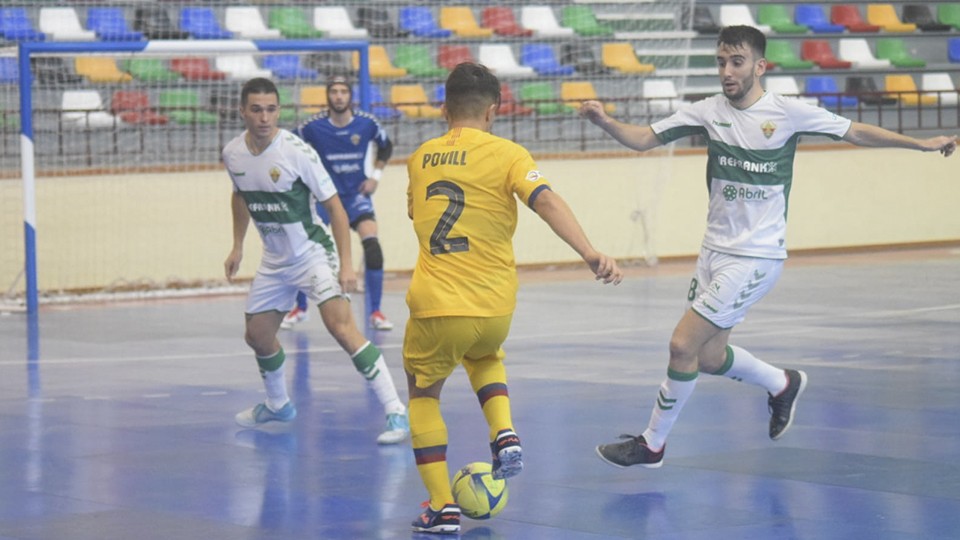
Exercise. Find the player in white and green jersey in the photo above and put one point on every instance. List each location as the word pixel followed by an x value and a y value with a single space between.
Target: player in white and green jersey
pixel 275 177
pixel 752 137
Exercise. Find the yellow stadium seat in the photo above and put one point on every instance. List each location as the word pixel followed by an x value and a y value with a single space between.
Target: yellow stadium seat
pixel 905 83
pixel 885 16
pixel 574 92
pixel 380 65
pixel 461 21
pixel 100 69
pixel 313 99
pixel 411 100
pixel 620 56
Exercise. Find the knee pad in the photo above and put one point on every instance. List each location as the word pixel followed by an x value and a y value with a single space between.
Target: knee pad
pixel 372 254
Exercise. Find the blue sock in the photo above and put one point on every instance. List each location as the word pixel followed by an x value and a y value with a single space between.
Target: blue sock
pixel 302 301
pixel 373 280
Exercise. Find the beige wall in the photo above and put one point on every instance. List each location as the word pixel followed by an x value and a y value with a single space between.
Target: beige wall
pixel 177 226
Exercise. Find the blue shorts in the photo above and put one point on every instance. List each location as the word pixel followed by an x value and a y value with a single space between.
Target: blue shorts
pixel 359 208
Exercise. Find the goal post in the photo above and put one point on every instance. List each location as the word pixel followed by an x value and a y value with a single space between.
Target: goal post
pixel 165 49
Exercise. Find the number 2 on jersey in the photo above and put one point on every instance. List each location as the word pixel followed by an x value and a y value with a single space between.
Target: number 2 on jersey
pixel 440 243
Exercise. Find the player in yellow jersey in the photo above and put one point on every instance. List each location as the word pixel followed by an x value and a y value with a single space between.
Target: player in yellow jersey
pixel 462 198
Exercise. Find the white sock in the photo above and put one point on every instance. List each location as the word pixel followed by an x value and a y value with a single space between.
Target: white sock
pixel 382 385
pixel 743 366
pixel 674 392
pixel 276 385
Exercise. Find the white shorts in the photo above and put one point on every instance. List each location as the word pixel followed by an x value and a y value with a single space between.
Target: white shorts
pixel 727 285
pixel 275 289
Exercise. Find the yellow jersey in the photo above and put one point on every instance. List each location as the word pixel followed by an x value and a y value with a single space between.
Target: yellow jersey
pixel 462 198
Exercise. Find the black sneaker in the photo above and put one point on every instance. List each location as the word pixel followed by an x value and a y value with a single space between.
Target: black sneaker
pixel 632 451
pixel 443 521
pixel 507 455
pixel 784 405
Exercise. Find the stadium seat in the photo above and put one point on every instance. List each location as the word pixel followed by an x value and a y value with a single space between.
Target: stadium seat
pixel 183 106
pixel 419 21
pixel 449 56
pixel 287 67
pixel 334 22
pixel 500 59
pixel 661 96
pixel 196 69
pixel 246 22
pixel 858 52
pixel 377 22
pixel 737 14
pixel 621 57
pixel 949 14
pixel 52 70
pixel 885 16
pixel 778 18
pixel 149 69
pixel 100 69
pixel 941 86
pixel 703 21
pixel 895 50
pixel 411 100
pixel 583 21
pixel 292 23
pixel 865 88
pixel 581 56
pixel 380 65
pixel 418 61
pixel 313 99
pixel 543 22
pixel 110 25
pixel 541 57
pixel 201 23
pixel 133 107
pixel 154 22
pixel 240 67
pixel 378 105
pixel 9 71
pixel 226 103
pixel 460 21
pixel 440 94
pixel 920 15
pixel 825 88
pixel 289 108
pixel 849 16
pixel 16 26
pixel 953 50
pixel 63 24
pixel 910 96
pixel 781 53
pixel 542 98
pixel 786 85
pixel 84 109
pixel 508 103
pixel 503 22
pixel 573 93
pixel 329 63
pixel 819 52
pixel 813 17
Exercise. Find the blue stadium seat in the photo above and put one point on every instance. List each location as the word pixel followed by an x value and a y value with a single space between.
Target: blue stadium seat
pixel 110 25
pixel 419 21
pixel 377 102
pixel 440 93
pixel 541 57
pixel 287 66
pixel 9 73
pixel 16 26
pixel 813 16
pixel 819 85
pixel 202 23
pixel 953 50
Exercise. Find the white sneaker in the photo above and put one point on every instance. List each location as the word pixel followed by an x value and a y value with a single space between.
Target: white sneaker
pixel 398 429
pixel 379 321
pixel 293 317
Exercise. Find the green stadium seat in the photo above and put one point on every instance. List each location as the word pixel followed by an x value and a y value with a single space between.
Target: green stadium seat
pixel 776 16
pixel 418 61
pixel 584 22
pixel 149 69
pixel 949 14
pixel 782 54
pixel 292 23
pixel 895 50
pixel 542 98
pixel 183 106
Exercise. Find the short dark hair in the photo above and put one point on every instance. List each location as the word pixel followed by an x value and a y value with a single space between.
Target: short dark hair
pixel 470 89
pixel 258 85
pixel 744 36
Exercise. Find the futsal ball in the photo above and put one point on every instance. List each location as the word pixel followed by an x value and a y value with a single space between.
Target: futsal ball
pixel 479 495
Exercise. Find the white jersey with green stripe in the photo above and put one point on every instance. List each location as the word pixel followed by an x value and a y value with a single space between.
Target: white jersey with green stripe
pixel 276 186
pixel 750 165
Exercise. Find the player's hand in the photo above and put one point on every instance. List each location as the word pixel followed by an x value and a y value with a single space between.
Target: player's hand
pixel 369 186
pixel 605 269
pixel 943 144
pixel 232 264
pixel 348 279
pixel 593 111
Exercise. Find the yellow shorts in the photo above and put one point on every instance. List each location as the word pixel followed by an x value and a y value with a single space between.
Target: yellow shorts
pixel 434 347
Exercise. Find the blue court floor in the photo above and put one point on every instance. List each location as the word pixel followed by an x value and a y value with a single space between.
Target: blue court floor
pixel 123 427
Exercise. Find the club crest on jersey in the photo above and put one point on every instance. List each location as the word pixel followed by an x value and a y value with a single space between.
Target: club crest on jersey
pixel 355 139
pixel 534 175
pixel 275 174
pixel 768 128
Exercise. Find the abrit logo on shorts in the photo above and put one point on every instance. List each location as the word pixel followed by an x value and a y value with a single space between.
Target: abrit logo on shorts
pixel 732 193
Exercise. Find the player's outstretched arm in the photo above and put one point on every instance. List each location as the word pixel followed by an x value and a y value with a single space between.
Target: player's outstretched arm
pixel 554 211
pixel 638 138
pixel 241 220
pixel 340 225
pixel 869 135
